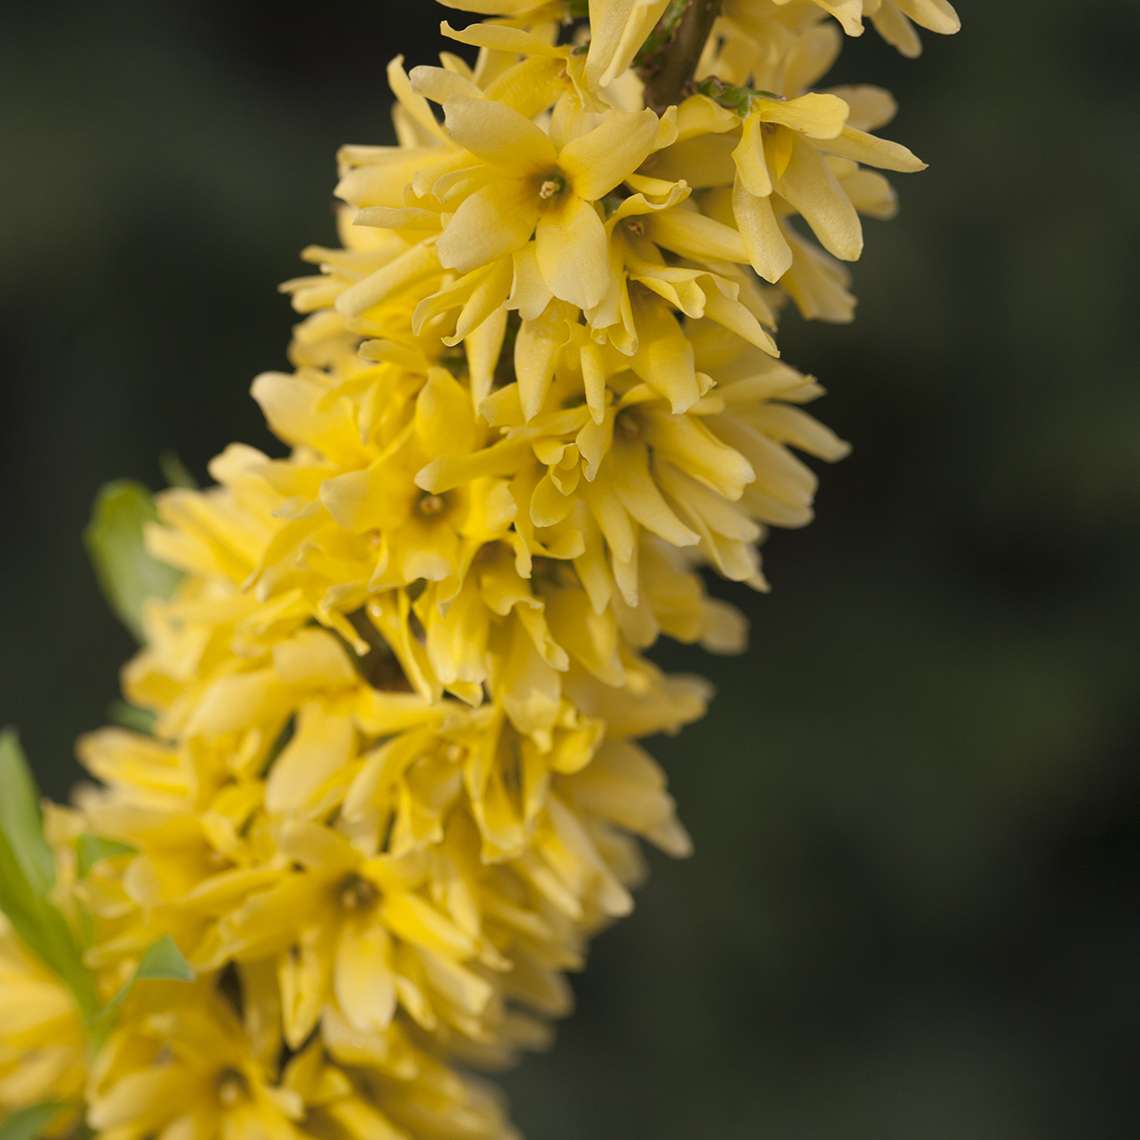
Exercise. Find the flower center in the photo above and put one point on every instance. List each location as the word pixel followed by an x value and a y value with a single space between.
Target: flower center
pixel 232 1087
pixel 551 186
pixel 453 753
pixel 430 506
pixel 357 893
pixel 628 425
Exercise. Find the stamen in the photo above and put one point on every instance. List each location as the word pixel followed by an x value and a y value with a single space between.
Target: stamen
pixel 232 1087
pixel 431 505
pixel 357 893
pixel 552 186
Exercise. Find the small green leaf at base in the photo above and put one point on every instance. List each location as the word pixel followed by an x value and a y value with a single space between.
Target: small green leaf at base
pixel 127 572
pixel 29 1123
pixel 27 874
pixel 20 819
pixel 164 962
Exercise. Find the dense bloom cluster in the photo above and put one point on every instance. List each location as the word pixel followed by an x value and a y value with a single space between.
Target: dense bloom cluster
pixel 396 777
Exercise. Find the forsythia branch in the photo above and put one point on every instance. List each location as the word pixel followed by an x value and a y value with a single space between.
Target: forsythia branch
pixel 674 50
pixel 380 772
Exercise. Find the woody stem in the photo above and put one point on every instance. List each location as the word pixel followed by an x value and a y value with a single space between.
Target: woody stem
pixel 671 54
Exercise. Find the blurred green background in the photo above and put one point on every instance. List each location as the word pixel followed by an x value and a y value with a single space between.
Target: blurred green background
pixel 913 908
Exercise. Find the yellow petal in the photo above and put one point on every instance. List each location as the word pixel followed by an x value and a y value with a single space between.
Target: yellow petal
pixel 445 422
pixel 143 1101
pixel 240 701
pixel 322 744
pixel 573 252
pixel 498 134
pixel 618 28
pixel 501 37
pixel 639 495
pixel 317 848
pixel 493 222
pixel 418 922
pixel 665 359
pixel 603 158
pixel 751 165
pixel 870 150
pixel 814 115
pixel 692 447
pixel 363 979
pixel 442 86
pixel 810 186
pixel 934 15
pixel 695 235
pixel 768 249
pixel 537 349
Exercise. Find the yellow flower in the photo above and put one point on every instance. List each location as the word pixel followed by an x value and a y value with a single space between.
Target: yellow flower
pixel 396 778
pixel 530 182
pixel 353 929
pixel 782 150
pixel 188 1070
pixel 43 1042
pixel 413 1096
pixel 705 477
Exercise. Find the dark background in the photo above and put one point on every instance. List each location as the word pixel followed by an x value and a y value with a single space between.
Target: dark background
pixel 912 912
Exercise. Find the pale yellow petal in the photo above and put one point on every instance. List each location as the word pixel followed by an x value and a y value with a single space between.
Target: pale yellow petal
pixel 500 135
pixel 618 28
pixel 573 252
pixel 817 116
pixel 640 496
pixel 363 979
pixel 810 186
pixel 870 150
pixel 768 249
pixel 493 222
pixel 597 162
pixel 751 165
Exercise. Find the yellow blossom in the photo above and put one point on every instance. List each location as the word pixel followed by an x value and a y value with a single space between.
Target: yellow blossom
pixel 386 775
pixel 43 1044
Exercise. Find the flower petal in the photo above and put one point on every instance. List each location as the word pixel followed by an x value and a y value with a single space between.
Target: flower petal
pixel 601 159
pixel 768 249
pixel 491 223
pixel 751 165
pixel 811 187
pixel 573 252
pixel 817 116
pixel 500 135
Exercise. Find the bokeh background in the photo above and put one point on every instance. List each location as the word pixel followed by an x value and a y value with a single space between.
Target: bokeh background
pixel 913 908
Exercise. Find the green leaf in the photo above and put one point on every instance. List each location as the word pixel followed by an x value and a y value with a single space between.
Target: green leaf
pixel 29 1123
pixel 92 849
pixel 163 962
pixel 20 819
pixel 127 573
pixel 43 929
pixel 27 874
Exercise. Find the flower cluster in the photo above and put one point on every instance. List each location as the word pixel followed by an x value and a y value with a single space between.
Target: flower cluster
pixel 395 778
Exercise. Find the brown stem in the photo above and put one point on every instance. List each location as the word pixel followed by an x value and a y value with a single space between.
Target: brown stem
pixel 669 69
